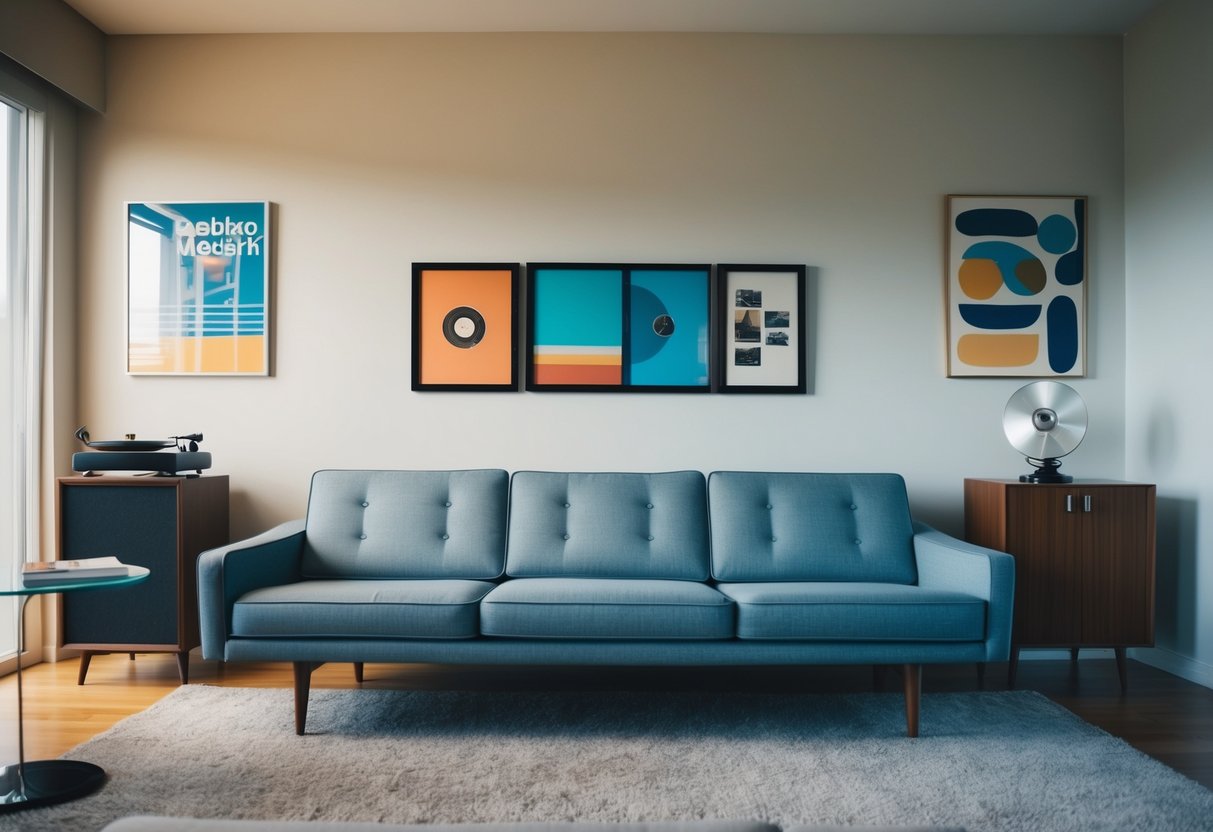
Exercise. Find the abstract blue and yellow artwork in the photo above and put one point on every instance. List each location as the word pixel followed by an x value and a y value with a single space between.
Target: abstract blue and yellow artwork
pixel 1016 285
pixel 618 327
pixel 198 288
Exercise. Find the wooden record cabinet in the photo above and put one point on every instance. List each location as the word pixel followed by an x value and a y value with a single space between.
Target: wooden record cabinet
pixel 1084 560
pixel 162 523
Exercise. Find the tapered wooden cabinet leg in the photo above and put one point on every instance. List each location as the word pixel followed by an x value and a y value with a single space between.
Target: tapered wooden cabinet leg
pixel 1122 669
pixel 358 672
pixel 183 666
pixel 85 658
pixel 913 686
pixel 303 685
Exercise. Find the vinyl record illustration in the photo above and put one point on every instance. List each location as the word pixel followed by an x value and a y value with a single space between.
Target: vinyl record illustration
pixel 652 324
pixel 463 327
pixel 663 325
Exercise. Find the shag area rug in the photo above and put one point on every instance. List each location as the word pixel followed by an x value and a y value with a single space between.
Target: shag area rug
pixel 985 761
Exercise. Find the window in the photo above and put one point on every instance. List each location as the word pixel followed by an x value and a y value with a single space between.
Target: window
pixel 23 112
pixel 12 362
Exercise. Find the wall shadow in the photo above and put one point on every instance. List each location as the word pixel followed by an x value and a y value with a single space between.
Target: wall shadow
pixel 1175 609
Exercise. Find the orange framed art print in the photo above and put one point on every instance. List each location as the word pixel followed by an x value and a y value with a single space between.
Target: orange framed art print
pixel 465 326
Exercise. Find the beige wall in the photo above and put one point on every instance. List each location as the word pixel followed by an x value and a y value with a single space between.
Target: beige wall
pixel 383 150
pixel 1169 188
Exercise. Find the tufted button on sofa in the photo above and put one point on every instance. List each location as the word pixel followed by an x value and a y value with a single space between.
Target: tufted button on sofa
pixel 669 569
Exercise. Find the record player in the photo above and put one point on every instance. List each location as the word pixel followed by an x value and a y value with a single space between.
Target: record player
pixel 141 455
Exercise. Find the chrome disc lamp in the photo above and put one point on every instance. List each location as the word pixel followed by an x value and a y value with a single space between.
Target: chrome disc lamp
pixel 1044 421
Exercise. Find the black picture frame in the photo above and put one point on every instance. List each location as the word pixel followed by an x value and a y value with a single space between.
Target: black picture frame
pixel 761 343
pixel 465 327
pixel 619 327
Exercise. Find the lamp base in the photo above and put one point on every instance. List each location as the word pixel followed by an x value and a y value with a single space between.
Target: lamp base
pixel 1046 472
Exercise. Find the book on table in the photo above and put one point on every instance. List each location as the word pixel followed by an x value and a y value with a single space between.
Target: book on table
pixel 42 572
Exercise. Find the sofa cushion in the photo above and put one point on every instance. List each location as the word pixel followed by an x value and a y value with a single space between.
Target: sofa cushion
pixel 810 527
pixel 347 608
pixel 605 608
pixel 598 525
pixel 406 524
pixel 841 611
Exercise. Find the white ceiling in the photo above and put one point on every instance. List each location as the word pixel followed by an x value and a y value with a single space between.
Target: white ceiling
pixel 121 17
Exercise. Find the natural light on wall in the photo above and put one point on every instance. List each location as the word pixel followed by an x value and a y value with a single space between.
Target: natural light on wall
pixel 145 256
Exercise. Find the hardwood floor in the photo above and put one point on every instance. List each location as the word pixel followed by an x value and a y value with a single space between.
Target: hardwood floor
pixel 1164 716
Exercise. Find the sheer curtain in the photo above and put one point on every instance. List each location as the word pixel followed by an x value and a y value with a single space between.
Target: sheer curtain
pixel 22 155
pixel 10 122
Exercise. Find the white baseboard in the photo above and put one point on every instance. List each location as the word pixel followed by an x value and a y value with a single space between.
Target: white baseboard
pixel 1172 662
pixel 55 653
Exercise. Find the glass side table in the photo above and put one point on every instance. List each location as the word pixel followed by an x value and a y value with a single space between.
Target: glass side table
pixel 24 785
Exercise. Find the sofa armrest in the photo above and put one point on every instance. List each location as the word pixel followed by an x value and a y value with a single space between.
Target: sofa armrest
pixel 946 562
pixel 226 573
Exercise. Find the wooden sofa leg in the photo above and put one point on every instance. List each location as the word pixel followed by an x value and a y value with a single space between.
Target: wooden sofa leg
pixel 86 656
pixel 358 672
pixel 303 685
pixel 913 685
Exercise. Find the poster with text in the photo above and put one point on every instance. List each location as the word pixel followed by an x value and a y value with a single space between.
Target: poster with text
pixel 198 281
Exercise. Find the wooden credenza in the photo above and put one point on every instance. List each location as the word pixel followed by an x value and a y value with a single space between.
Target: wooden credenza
pixel 162 523
pixel 1084 560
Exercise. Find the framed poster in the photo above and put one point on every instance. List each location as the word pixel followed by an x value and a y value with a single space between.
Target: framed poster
pixel 599 327
pixel 762 335
pixel 1015 286
pixel 198 288
pixel 465 326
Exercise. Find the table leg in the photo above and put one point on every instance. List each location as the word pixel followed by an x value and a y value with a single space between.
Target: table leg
pixel 41 782
pixel 15 783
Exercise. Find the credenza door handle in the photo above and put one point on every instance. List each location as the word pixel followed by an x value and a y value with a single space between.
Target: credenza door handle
pixel 1070 503
pixel 1086 503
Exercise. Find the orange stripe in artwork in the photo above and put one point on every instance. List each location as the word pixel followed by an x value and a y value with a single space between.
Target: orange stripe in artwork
pixel 590 358
pixel 580 374
pixel 998 350
pixel 212 354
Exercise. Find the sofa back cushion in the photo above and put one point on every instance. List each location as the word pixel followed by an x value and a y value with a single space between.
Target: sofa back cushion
pixel 810 527
pixel 406 524
pixel 602 525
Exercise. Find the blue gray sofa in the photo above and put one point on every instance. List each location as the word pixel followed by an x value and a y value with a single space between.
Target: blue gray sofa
pixel 544 568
